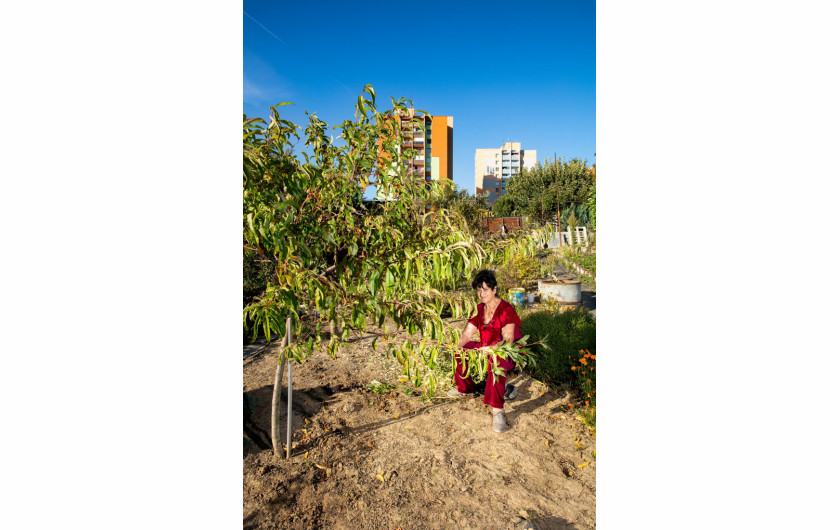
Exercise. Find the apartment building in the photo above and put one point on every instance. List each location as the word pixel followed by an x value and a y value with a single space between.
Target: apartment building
pixel 432 139
pixel 494 166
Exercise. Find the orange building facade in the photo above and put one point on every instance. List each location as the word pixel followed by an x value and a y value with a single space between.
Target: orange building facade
pixel 431 138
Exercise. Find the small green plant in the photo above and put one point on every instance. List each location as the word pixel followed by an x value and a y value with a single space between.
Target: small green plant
pixel 587 417
pixel 380 388
pixel 547 265
pixel 584 369
pixel 572 221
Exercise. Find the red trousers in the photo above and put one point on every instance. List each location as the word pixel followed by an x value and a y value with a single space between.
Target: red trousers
pixel 494 392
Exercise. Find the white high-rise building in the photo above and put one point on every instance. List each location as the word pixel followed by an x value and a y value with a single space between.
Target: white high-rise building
pixel 494 166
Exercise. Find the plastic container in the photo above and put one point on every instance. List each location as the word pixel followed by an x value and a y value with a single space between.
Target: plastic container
pixel 517 296
pixel 530 298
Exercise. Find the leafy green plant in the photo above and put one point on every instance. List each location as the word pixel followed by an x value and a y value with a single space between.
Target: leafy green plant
pixel 343 258
pixel 547 265
pixel 518 271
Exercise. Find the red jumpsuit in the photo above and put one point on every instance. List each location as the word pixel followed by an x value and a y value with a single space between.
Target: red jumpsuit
pixel 491 334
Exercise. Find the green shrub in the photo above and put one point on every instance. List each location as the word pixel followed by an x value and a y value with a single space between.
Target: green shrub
pixel 519 271
pixel 568 333
pixel 585 261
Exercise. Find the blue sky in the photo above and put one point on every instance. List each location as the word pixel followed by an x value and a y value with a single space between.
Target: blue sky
pixel 505 71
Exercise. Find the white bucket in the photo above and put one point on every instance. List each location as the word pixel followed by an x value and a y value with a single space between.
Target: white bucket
pixel 530 298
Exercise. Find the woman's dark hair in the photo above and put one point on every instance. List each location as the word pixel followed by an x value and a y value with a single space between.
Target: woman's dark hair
pixel 486 277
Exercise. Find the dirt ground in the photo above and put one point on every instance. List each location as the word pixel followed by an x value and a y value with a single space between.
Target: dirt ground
pixel 366 460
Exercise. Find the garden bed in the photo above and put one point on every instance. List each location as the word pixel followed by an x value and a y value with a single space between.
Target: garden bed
pixel 361 459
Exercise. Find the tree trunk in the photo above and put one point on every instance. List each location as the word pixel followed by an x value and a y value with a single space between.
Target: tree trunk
pixel 278 392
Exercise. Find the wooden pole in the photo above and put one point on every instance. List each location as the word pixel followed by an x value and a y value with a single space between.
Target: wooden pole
pixel 275 396
pixel 289 407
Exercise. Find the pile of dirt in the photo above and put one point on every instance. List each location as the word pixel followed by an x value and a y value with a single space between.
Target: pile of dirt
pixel 366 460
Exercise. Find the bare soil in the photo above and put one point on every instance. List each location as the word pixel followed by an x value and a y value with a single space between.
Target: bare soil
pixel 366 460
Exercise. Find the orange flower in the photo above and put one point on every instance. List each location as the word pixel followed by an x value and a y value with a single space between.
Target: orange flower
pixel 583 360
pixel 593 357
pixel 570 405
pixel 574 367
pixel 587 402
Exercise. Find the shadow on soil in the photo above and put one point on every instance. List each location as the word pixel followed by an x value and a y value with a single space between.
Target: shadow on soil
pixel 526 403
pixel 551 523
pixel 308 402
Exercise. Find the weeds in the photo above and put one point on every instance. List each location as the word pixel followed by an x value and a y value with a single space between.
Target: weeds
pixel 380 388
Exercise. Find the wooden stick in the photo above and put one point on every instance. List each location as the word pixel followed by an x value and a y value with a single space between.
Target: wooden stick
pixel 289 410
pixel 275 396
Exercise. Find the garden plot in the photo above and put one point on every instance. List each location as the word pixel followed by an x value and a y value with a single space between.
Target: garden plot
pixel 367 460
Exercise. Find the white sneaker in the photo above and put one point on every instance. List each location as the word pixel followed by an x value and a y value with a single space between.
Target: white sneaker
pixel 453 393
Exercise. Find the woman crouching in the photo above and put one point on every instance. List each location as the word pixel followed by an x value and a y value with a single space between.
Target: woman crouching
pixel 496 322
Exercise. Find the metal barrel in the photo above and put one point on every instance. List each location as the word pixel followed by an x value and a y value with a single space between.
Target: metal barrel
pixel 564 291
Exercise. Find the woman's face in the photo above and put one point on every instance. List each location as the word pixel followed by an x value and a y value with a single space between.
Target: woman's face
pixel 485 294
